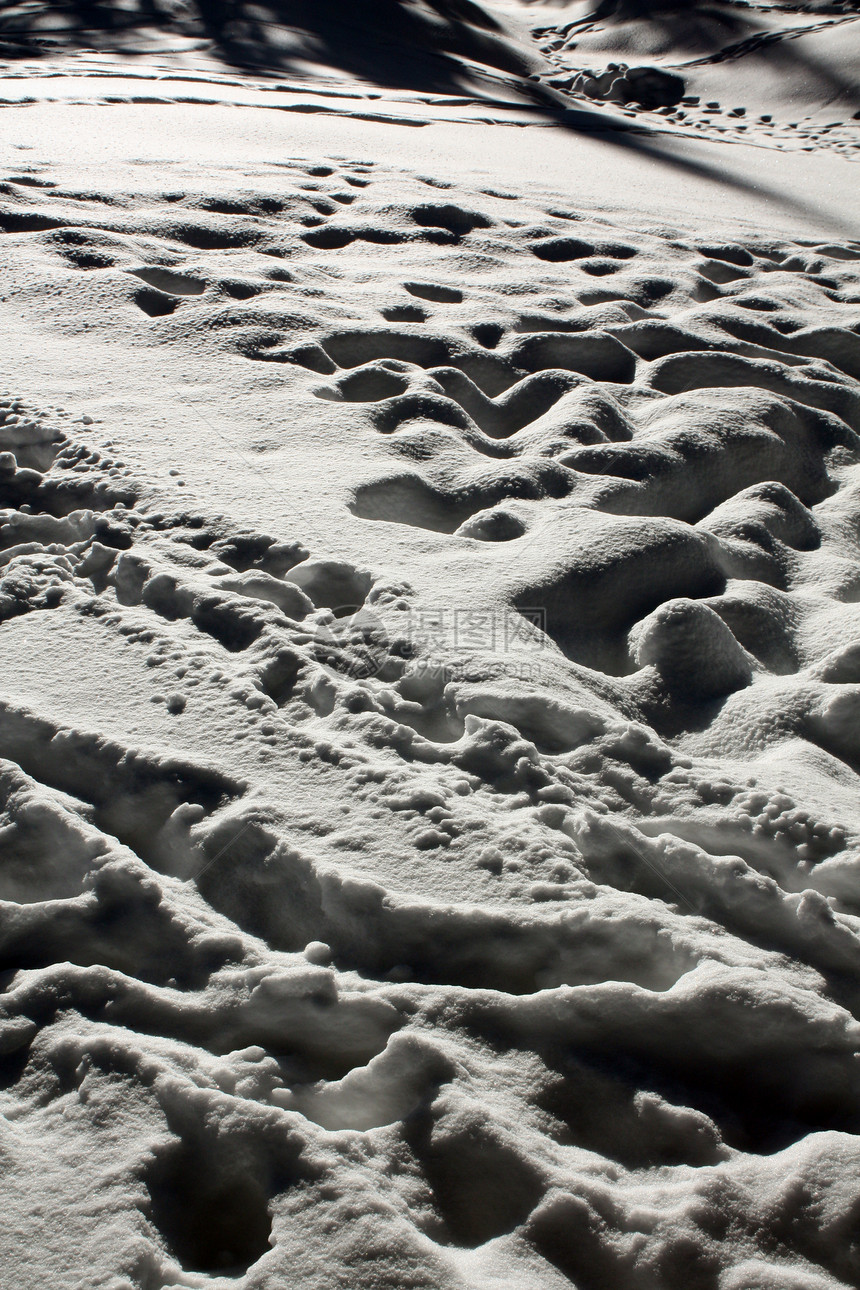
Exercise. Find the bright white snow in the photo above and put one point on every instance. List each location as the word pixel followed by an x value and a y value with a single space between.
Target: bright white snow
pixel 430 646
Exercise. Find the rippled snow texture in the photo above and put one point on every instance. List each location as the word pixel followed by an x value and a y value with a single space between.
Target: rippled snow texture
pixel 381 950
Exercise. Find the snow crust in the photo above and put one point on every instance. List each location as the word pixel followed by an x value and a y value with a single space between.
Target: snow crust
pixel 430 719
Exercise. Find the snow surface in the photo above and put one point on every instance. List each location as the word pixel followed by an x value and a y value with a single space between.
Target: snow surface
pixel 430 602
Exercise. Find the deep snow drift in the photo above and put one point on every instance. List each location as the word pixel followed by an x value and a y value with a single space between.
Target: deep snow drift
pixel 430 720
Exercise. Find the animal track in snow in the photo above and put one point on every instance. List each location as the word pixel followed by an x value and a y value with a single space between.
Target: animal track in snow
pixel 177 284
